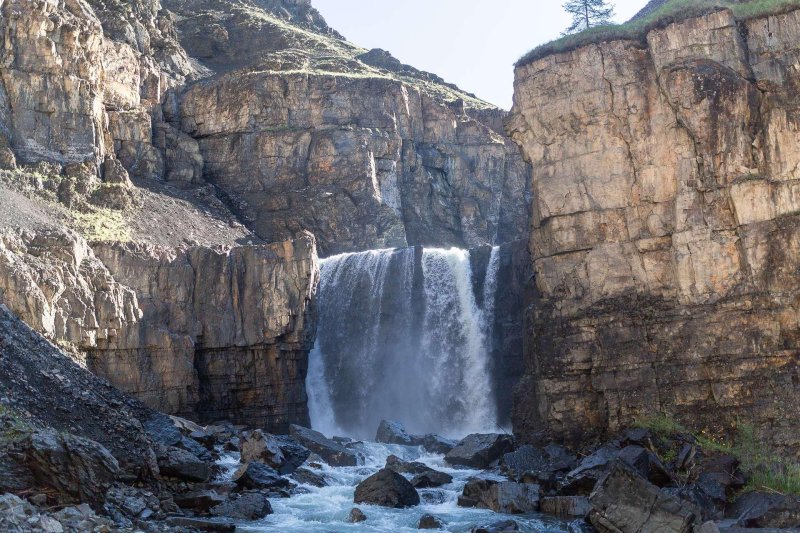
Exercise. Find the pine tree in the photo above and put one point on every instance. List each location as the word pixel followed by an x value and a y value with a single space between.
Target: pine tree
pixel 588 13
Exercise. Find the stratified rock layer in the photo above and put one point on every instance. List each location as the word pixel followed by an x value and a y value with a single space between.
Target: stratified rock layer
pixel 665 234
pixel 362 162
pixel 224 334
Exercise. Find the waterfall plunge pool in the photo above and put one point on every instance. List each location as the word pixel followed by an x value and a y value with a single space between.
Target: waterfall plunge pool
pixel 326 509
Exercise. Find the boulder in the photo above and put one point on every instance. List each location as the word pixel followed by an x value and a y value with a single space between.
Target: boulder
pixel 542 462
pixel 500 496
pixel 256 446
pixel 581 480
pixel 406 467
pixel 429 522
pixel 431 479
pixel 506 526
pixel 304 476
pixel 196 449
pixel 77 470
pixel 356 516
pixel 625 501
pixel 331 452
pixel 185 523
pixel 199 500
pixel 647 464
pixel 391 432
pixel 766 510
pixel 435 443
pixel 245 506
pixel 181 464
pixel 565 506
pixel 388 489
pixel 258 476
pixel 294 453
pixel 480 450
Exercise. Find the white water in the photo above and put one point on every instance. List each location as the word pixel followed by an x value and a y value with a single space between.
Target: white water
pixel 326 509
pixel 402 341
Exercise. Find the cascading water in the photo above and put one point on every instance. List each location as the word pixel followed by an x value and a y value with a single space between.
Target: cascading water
pixel 401 337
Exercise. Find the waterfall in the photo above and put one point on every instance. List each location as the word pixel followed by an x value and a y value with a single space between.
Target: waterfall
pixel 401 336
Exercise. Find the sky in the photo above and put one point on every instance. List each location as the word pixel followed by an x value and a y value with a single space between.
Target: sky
pixel 472 43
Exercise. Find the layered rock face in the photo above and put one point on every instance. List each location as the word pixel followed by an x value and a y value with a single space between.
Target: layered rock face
pixel 305 131
pixel 224 334
pixel 361 162
pixel 665 231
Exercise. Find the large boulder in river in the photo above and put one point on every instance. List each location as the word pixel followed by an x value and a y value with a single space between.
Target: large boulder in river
pixel 480 450
pixel 331 452
pixel 431 479
pixel 406 467
pixel 388 489
pixel 625 501
pixel 435 443
pixel 391 432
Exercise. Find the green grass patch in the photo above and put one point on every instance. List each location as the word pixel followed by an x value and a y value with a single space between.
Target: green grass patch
pixel 101 224
pixel 765 470
pixel 672 11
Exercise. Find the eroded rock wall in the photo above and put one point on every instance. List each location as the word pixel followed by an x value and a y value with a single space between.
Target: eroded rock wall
pixel 225 334
pixel 362 162
pixel 664 237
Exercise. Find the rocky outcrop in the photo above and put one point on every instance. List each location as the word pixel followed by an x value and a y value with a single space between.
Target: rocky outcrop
pixel 224 334
pixel 361 161
pixel 664 230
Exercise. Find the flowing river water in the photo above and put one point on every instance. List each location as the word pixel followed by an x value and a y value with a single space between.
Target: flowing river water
pixel 403 335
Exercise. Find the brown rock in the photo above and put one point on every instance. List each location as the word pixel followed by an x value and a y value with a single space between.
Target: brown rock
pixel 661 219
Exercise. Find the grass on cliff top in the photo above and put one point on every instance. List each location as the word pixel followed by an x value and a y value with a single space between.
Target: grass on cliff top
pixel 765 471
pixel 672 11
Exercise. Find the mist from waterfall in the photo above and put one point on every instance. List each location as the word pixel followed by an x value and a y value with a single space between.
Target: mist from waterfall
pixel 401 336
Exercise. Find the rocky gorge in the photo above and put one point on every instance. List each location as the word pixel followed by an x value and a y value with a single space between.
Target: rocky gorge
pixel 222 225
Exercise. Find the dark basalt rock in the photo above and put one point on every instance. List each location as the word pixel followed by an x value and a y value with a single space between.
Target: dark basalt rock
pixel 199 500
pixel 431 479
pixel 245 506
pixel 501 497
pixel 406 467
pixel 506 526
pixel 331 452
pixel 429 522
pixel 388 489
pixel 181 464
pixel 356 516
pixel 435 443
pixel 259 476
pixel 221 525
pixel 647 464
pixel 581 480
pixel 541 462
pixel 565 506
pixel 75 469
pixel 480 450
pixel 625 501
pixel 391 432
pixel 765 510
pixel 307 477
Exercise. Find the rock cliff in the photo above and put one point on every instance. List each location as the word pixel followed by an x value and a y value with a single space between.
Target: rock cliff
pixel 150 149
pixel 665 230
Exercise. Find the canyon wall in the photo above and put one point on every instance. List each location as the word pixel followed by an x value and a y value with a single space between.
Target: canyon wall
pixel 362 162
pixel 207 333
pixel 151 149
pixel 665 231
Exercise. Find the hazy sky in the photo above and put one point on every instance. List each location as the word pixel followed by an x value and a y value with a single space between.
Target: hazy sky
pixel 472 43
